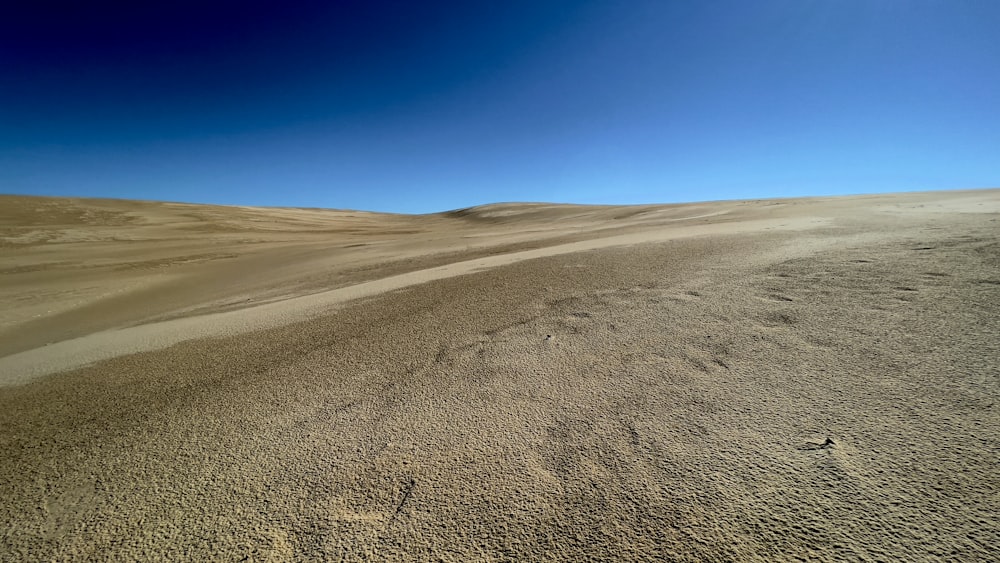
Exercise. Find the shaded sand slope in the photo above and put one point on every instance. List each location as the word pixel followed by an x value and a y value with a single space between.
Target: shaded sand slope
pixel 668 398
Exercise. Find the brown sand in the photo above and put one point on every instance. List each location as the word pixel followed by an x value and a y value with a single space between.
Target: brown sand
pixel 767 380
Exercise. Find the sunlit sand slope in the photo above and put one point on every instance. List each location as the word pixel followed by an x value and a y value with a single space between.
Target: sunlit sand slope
pixel 762 380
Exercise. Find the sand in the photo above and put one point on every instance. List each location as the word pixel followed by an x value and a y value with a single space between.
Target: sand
pixel 747 380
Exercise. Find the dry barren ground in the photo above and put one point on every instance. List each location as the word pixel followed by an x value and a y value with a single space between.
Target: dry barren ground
pixel 758 380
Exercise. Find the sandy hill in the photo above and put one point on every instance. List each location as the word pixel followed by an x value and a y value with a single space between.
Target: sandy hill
pixel 74 266
pixel 745 380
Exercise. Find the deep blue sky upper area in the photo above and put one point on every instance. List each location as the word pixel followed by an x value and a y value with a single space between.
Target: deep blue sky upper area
pixel 424 106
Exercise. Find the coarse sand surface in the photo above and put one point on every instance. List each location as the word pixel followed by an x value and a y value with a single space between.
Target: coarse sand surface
pixel 771 380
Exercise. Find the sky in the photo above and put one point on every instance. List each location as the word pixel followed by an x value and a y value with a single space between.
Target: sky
pixel 417 107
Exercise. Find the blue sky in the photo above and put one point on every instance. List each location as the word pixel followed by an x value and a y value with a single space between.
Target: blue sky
pixel 419 107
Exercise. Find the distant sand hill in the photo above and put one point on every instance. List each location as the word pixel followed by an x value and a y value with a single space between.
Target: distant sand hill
pixel 744 380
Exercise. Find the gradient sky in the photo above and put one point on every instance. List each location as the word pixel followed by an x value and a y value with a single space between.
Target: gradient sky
pixel 423 106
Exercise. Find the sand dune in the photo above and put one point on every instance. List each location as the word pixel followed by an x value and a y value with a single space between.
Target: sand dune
pixel 744 380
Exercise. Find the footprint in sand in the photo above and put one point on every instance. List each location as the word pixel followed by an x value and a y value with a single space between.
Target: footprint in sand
pixel 689 295
pixel 776 319
pixel 825 445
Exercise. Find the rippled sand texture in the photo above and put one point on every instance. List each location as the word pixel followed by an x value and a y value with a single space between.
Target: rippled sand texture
pixel 759 380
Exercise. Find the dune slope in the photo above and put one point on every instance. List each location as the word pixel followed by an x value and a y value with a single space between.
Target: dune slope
pixel 763 380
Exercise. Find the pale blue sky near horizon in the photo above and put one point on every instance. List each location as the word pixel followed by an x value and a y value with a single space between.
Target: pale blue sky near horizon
pixel 388 106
